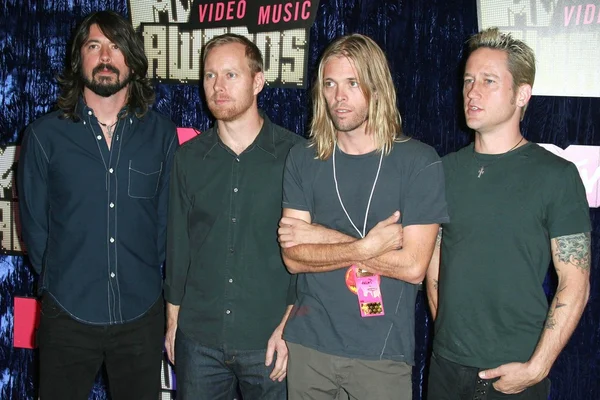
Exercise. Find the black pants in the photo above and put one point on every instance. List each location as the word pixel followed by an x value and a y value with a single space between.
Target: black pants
pixel 71 354
pixel 451 381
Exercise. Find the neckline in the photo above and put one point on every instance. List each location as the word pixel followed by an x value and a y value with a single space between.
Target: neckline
pixel 489 157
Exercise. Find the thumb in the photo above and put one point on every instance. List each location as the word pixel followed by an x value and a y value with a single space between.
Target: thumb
pixel 270 354
pixel 490 373
pixel 395 217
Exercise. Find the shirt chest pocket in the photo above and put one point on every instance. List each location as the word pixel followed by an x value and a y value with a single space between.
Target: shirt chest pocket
pixel 144 178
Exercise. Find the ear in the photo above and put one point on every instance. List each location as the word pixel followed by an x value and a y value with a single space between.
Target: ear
pixel 259 82
pixel 523 95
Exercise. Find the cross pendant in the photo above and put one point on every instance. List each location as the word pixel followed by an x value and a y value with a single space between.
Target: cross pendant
pixel 481 172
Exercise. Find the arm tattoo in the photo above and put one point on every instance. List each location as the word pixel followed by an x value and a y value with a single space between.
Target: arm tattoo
pixel 435 284
pixel 438 239
pixel 574 249
pixel 556 304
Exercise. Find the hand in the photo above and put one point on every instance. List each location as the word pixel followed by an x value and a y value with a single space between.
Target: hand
pixel 277 345
pixel 385 236
pixel 170 343
pixel 293 231
pixel 514 377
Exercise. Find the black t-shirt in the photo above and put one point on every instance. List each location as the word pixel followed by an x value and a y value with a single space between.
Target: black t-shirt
pixel 496 251
pixel 326 316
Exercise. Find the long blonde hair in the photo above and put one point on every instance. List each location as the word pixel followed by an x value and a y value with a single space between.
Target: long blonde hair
pixel 375 79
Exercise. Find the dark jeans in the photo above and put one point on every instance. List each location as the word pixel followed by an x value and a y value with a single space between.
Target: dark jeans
pixel 71 354
pixel 204 373
pixel 451 381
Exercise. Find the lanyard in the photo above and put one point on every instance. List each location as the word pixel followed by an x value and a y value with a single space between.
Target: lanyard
pixel 362 234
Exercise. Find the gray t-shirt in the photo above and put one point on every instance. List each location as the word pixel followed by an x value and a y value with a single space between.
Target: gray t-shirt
pixel 326 315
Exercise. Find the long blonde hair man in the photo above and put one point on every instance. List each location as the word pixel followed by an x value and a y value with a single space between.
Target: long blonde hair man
pixel 375 79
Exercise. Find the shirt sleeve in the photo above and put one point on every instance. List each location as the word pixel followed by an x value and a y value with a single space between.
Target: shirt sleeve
pixel 178 242
pixel 568 211
pixel 163 197
pixel 294 194
pixel 425 202
pixel 32 182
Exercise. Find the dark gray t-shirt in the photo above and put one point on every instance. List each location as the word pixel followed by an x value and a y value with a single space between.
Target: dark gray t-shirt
pixel 326 315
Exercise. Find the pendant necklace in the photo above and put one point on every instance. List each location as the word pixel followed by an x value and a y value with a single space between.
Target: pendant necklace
pixel 109 128
pixel 482 167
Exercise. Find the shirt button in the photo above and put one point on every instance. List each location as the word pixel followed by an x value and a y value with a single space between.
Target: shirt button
pixel 111 170
pixel 99 137
pixel 231 250
pixel 227 312
pixel 112 205
pixel 237 159
pixel 89 112
pixel 112 240
pixel 235 190
pixel 233 220
pixel 112 274
pixel 230 280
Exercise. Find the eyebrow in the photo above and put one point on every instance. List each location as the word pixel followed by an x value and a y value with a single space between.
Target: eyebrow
pixel 486 74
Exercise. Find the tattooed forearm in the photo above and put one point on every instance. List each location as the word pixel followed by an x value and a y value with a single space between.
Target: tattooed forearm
pixel 574 250
pixel 556 304
pixel 438 239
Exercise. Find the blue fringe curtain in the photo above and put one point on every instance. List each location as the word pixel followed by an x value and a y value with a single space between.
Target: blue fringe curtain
pixel 424 41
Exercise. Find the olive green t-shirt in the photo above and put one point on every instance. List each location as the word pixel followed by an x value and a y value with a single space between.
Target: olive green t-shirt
pixel 496 250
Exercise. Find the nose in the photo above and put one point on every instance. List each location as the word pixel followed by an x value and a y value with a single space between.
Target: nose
pixel 218 84
pixel 472 90
pixel 105 54
pixel 340 94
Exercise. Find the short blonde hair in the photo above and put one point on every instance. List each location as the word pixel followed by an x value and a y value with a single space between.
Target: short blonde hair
pixel 521 59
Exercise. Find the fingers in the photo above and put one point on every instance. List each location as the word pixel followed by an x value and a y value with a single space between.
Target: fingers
pixel 289 221
pixel 280 369
pixel 170 347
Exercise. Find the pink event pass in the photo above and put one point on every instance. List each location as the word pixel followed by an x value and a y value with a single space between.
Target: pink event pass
pixel 369 296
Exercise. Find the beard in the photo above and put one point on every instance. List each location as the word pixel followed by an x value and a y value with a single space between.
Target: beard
pixel 103 86
pixel 232 112
pixel 347 125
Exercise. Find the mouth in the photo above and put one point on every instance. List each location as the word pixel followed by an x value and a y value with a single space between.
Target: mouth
pixel 105 69
pixel 472 109
pixel 221 100
pixel 341 110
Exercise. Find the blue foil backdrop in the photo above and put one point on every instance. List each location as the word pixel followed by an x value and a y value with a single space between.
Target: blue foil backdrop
pixel 424 41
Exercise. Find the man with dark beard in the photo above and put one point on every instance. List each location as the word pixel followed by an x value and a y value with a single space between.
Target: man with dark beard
pixel 228 293
pixel 94 218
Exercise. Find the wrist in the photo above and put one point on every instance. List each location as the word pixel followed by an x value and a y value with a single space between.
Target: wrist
pixel 364 249
pixel 537 369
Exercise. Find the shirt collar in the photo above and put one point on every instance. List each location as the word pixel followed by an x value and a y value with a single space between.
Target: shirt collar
pixel 84 111
pixel 266 137
pixel 264 141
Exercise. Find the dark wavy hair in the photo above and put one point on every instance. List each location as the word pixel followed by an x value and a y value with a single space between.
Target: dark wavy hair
pixel 119 31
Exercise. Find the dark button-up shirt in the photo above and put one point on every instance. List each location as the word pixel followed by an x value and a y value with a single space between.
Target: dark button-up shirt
pixel 223 261
pixel 94 219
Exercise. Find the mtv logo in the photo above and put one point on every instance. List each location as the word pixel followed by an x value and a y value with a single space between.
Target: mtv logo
pixel 587 161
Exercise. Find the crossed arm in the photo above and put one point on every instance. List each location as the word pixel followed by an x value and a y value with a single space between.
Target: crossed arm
pixel 388 249
pixel 571 257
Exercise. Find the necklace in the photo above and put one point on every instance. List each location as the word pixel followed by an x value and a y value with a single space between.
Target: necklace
pixel 482 167
pixel 109 128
